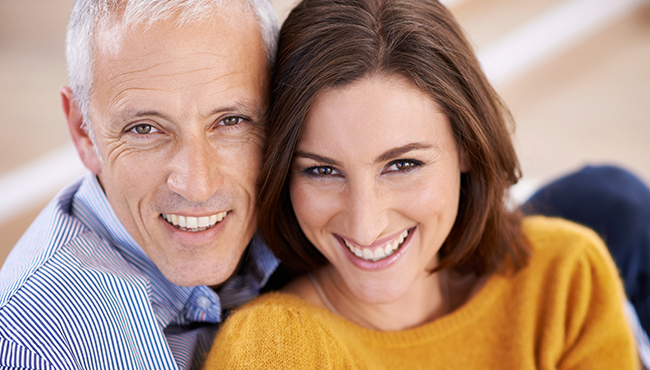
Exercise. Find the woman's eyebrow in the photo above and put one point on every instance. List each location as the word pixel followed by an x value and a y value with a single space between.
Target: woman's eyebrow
pixel 396 152
pixel 316 157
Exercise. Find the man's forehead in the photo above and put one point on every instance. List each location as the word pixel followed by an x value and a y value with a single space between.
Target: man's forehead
pixel 113 25
pixel 164 68
pixel 165 43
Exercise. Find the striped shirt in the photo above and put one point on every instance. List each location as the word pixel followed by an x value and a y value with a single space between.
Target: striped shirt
pixel 77 292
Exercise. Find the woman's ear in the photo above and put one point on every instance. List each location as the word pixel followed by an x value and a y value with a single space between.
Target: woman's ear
pixel 79 133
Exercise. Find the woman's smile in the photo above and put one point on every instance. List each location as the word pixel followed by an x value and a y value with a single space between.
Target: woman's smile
pixel 378 250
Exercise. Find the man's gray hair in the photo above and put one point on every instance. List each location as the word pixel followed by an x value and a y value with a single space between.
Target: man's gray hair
pixel 88 14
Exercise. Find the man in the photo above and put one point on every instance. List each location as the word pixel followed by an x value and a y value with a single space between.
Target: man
pixel 132 266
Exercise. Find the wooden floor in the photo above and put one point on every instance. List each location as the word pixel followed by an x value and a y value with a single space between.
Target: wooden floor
pixel 589 105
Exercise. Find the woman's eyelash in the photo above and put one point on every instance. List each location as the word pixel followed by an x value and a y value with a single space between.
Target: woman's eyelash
pixel 320 171
pixel 403 165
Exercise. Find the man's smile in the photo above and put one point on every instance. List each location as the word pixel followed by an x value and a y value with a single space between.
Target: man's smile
pixel 194 224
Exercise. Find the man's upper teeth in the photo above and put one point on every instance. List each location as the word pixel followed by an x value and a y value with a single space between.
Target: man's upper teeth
pixel 379 252
pixel 190 222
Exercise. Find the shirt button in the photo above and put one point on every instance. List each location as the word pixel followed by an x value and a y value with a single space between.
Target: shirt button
pixel 204 302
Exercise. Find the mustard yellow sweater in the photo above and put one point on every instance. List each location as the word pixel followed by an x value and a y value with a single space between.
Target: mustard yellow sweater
pixel 564 311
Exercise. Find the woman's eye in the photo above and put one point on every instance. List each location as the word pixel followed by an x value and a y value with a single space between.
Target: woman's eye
pixel 231 121
pixel 143 129
pixel 322 171
pixel 402 166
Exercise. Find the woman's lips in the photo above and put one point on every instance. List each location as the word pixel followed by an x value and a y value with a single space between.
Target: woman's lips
pixel 384 262
pixel 379 252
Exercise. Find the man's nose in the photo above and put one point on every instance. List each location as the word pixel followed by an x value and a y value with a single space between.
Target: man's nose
pixel 195 174
pixel 367 216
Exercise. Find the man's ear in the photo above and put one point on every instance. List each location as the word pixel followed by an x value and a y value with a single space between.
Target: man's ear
pixel 79 134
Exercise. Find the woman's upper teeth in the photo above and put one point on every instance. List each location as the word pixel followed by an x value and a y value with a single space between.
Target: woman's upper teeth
pixel 379 252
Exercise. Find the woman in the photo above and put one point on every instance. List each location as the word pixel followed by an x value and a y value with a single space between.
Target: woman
pixel 387 164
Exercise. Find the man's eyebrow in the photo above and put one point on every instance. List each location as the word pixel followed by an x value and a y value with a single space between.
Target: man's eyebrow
pixel 131 115
pixel 316 157
pixel 241 107
pixel 396 152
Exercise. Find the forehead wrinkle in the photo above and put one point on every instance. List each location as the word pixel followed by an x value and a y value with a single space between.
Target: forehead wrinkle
pixel 114 101
pixel 140 70
pixel 225 75
pixel 120 85
pixel 161 75
pixel 209 58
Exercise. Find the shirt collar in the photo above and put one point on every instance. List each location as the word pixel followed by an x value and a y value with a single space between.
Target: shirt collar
pixel 172 303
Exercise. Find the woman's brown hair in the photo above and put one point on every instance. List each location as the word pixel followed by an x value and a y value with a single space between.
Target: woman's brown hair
pixel 326 44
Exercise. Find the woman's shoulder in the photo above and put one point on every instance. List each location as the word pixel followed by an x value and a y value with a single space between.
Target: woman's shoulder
pixel 571 263
pixel 572 275
pixel 276 307
pixel 274 331
pixel 554 239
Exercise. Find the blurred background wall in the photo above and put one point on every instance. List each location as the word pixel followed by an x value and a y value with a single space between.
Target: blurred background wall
pixel 575 73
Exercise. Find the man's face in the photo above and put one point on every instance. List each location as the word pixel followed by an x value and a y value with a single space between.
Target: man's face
pixel 178 115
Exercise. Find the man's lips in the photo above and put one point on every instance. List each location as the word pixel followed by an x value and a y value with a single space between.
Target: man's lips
pixel 194 224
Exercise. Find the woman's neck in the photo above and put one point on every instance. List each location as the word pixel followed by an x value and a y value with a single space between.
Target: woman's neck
pixel 425 301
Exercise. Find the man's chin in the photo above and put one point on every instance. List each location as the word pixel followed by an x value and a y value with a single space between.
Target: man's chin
pixel 198 258
pixel 192 266
pixel 197 275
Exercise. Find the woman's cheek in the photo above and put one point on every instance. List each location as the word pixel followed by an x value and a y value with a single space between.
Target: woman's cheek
pixel 315 205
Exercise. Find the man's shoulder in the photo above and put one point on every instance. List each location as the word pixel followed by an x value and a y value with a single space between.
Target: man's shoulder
pixel 84 262
pixel 82 316
pixel 72 299
pixel 69 265
pixel 52 229
pixel 59 251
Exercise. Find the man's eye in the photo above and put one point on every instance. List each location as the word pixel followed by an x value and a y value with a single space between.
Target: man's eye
pixel 231 121
pixel 402 165
pixel 143 129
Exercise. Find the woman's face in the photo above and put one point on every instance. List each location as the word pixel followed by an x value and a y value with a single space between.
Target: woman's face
pixel 375 184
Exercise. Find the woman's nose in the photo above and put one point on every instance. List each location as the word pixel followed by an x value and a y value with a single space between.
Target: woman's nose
pixel 367 214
